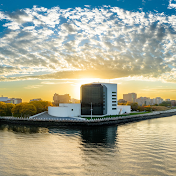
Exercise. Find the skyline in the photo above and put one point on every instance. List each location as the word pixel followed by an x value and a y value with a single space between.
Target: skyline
pixel 76 91
pixel 48 48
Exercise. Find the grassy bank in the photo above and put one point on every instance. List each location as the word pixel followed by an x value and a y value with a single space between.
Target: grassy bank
pixel 111 116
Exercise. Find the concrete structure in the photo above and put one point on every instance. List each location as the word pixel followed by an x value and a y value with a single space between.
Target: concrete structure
pixel 123 109
pixel 65 110
pixel 61 99
pixel 130 97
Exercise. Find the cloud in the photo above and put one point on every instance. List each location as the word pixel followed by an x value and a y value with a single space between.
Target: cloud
pixel 172 4
pixel 33 87
pixel 105 42
pixel 159 90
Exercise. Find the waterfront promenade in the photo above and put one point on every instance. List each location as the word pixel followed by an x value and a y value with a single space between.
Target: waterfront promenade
pixel 44 119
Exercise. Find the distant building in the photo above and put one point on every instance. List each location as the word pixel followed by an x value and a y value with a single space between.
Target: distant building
pixel 143 101
pixel 122 101
pixel 158 100
pixel 73 100
pixel 4 99
pixel 130 97
pixel 61 99
pixel 152 101
pixel 15 100
pixel 167 100
pixel 173 102
pixel 37 99
pixel 11 100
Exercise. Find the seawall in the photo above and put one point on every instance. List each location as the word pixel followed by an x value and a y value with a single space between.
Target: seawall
pixel 96 122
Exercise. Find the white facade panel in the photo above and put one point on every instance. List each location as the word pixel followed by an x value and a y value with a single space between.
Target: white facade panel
pixel 123 109
pixel 111 98
pixel 65 110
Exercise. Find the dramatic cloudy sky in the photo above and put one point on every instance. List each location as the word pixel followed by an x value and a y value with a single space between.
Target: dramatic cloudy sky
pixel 49 47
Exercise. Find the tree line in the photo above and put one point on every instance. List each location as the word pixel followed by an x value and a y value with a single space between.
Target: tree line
pixel 23 109
pixel 136 107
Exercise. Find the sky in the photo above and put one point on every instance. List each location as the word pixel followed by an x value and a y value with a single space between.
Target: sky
pixel 49 47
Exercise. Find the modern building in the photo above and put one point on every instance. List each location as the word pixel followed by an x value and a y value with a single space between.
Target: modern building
pixel 130 97
pixel 101 97
pixel 97 99
pixel 61 99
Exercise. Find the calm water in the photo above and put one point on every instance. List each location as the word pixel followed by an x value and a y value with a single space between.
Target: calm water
pixel 141 148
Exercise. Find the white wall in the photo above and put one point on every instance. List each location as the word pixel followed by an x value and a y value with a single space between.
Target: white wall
pixel 124 109
pixel 111 88
pixel 65 110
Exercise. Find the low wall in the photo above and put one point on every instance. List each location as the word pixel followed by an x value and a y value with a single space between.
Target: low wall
pixel 94 122
pixel 124 109
pixel 65 110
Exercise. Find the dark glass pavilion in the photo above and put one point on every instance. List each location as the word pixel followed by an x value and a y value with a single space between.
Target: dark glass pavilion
pixel 92 93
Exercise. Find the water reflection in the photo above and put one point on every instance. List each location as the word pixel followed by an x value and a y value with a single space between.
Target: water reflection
pixel 141 148
pixel 22 128
pixel 89 135
pixel 99 135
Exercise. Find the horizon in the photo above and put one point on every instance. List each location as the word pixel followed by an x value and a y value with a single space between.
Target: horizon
pixel 78 97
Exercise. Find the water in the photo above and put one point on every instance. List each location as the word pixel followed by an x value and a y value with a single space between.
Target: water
pixel 141 148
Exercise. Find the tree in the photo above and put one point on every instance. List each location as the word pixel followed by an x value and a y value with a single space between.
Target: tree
pixel 45 105
pixel 141 108
pixel 134 106
pixel 16 110
pixel 9 108
pixel 121 103
pixel 28 110
pixel 148 108
pixel 3 108
pixel 165 103
pixel 38 105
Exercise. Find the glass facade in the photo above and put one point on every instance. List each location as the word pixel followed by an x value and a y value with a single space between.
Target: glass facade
pixel 92 93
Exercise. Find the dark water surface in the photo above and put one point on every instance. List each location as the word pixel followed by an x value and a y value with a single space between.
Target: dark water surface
pixel 142 148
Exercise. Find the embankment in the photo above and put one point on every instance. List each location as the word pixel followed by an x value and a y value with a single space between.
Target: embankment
pixel 94 122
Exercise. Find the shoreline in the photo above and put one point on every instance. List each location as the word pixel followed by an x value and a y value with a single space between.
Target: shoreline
pixel 94 122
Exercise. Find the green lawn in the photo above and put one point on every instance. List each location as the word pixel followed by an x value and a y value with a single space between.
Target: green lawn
pixel 116 115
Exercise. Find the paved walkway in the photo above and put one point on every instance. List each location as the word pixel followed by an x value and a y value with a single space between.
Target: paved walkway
pixel 46 116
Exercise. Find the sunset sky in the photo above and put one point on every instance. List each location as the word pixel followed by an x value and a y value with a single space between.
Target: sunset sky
pixel 49 47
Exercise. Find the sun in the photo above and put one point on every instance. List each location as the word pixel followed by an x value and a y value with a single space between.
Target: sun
pixel 82 81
